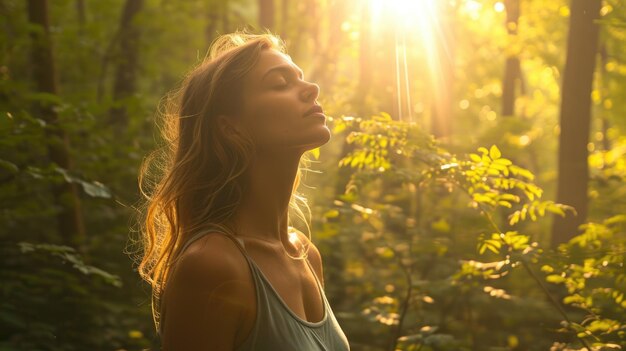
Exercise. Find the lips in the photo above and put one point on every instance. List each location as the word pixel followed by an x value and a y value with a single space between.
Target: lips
pixel 314 109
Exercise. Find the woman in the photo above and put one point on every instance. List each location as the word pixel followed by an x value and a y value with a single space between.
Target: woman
pixel 227 270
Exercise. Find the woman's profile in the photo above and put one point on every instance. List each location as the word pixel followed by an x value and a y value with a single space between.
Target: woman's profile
pixel 227 269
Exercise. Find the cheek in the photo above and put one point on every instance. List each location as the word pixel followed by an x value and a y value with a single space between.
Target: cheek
pixel 273 118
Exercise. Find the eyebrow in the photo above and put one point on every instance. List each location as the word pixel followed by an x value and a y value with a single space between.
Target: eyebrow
pixel 283 68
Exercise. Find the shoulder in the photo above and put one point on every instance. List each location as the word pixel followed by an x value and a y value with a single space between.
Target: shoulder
pixel 210 261
pixel 314 256
pixel 207 298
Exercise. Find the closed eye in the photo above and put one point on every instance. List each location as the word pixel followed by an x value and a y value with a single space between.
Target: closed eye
pixel 281 86
pixel 284 81
pixel 287 74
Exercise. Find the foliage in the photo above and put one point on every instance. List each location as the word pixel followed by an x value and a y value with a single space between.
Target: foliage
pixel 591 269
pixel 403 160
pixel 53 300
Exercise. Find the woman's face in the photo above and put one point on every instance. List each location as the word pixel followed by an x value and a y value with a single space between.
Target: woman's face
pixel 276 106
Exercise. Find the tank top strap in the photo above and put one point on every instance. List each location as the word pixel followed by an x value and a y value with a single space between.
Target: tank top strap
pixel 238 241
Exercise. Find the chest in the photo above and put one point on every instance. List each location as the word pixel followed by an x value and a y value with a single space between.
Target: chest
pixel 295 284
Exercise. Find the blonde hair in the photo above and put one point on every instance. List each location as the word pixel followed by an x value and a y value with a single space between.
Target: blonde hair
pixel 193 182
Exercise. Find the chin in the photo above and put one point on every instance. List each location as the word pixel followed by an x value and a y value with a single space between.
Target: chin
pixel 304 143
pixel 323 138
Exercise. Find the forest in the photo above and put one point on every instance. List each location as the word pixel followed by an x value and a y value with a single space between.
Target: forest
pixel 472 196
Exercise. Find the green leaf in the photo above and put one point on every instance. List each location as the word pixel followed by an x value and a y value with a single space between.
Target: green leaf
pixel 555 278
pixel 521 172
pixel 503 161
pixel 483 198
pixel 493 245
pixel 493 171
pixel 615 219
pixel 568 300
pixel 531 212
pixel 546 268
pixel 331 213
pixel 494 152
pixel 383 142
pixel 69 255
pixel 481 248
pixel 9 166
pixel 339 127
pixel 93 189
pixel 505 204
pixel 385 116
pixel 510 197
pixel 556 210
pixel 441 226
pixel 514 218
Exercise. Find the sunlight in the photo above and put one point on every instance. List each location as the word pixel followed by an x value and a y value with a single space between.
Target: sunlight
pixel 411 19
pixel 293 235
pixel 408 13
pixel 499 7
pixel 472 8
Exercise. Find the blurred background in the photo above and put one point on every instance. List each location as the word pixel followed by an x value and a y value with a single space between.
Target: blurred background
pixel 471 197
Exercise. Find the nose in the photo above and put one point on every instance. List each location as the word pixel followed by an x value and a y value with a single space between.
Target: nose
pixel 310 92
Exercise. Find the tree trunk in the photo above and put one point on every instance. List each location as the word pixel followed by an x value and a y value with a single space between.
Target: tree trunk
pixel 605 124
pixel 124 85
pixel 266 14
pixel 314 10
pixel 284 19
pixel 81 14
pixel 575 117
pixel 69 219
pixel 213 18
pixel 325 67
pixel 226 23
pixel 511 77
pixel 512 71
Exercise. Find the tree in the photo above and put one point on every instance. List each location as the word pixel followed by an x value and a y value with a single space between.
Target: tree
pixel 69 218
pixel 324 69
pixel 284 19
pixel 575 117
pixel 127 61
pixel 266 14
pixel 512 71
pixel 214 14
pixel 605 124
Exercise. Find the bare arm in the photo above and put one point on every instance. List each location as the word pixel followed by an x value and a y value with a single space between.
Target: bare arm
pixel 203 303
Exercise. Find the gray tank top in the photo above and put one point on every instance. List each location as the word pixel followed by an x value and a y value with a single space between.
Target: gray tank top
pixel 276 327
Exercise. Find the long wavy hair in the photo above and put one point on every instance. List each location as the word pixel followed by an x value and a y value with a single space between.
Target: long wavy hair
pixel 193 182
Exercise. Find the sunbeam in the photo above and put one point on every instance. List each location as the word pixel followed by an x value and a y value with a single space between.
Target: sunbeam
pixel 413 21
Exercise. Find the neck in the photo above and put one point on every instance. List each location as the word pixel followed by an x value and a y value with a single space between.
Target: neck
pixel 262 213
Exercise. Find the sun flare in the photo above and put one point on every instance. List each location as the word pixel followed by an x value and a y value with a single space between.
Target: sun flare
pixel 414 22
pixel 407 14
